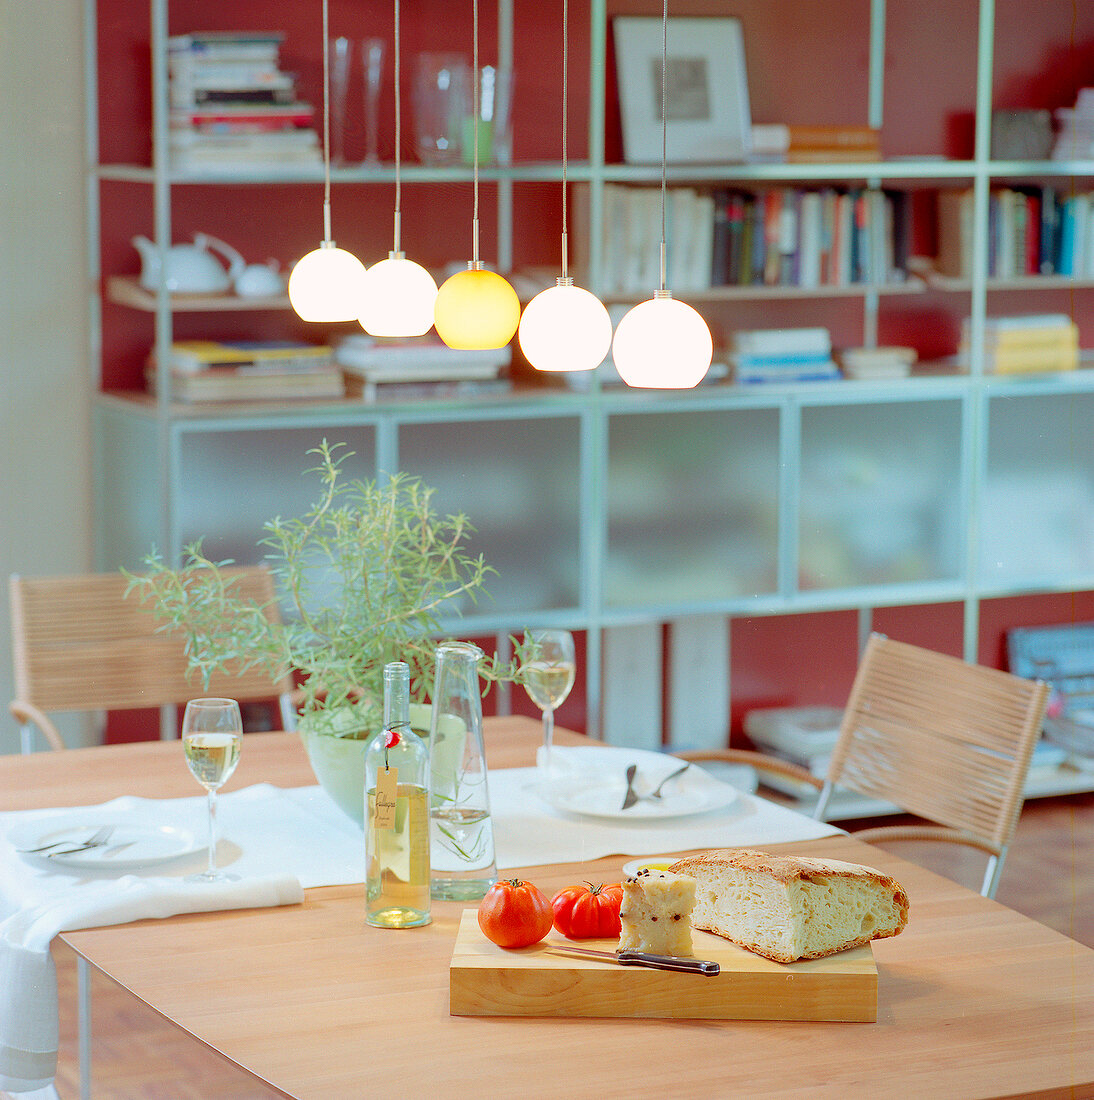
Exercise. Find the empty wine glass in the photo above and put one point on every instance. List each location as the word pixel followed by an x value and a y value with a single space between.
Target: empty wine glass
pixel 372 58
pixel 212 733
pixel 340 50
pixel 549 672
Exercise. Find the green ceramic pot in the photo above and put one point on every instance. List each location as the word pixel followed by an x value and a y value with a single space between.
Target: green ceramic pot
pixel 339 762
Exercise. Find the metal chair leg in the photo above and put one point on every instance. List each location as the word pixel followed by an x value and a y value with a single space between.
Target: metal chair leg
pixel 83 994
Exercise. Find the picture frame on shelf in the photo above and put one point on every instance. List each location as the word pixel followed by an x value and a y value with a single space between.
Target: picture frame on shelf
pixel 707 107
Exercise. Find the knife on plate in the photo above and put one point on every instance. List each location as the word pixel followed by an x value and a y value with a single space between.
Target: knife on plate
pixel 641 958
pixel 631 797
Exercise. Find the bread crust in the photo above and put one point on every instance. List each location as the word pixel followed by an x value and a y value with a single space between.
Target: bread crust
pixel 786 870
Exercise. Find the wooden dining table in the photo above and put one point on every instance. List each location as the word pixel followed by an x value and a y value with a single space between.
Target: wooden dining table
pixel 974 999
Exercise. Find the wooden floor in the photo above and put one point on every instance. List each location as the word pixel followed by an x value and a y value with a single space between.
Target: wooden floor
pixel 136 1055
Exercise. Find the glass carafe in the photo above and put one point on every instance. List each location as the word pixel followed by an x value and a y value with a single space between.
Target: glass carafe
pixel 461 834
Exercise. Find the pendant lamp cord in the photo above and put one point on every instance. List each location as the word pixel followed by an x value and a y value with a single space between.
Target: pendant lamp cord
pixel 565 102
pixel 326 127
pixel 664 125
pixel 398 138
pixel 475 127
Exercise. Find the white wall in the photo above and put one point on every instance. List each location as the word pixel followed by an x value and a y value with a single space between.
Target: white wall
pixel 45 377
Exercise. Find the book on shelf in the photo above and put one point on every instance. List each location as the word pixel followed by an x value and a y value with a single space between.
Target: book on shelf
pixel 282 356
pixel 878 362
pixel 782 341
pixel 1026 343
pixel 370 390
pixel 1031 231
pixel 417 359
pixel 244 384
pixel 241 118
pixel 782 355
pixel 226 45
pixel 814 144
pixel 778 236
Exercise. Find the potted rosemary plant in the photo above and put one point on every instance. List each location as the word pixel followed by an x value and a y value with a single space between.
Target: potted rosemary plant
pixel 364 576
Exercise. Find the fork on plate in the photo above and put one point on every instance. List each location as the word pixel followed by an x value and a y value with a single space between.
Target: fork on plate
pixel 57 848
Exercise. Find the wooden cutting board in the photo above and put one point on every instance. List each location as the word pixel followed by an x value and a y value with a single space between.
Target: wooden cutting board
pixel 487 980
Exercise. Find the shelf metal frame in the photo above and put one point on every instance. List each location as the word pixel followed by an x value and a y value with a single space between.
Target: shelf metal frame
pixel 170 423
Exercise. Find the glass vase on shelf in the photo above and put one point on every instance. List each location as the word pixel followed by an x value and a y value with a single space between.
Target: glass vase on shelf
pixel 461 833
pixel 397 814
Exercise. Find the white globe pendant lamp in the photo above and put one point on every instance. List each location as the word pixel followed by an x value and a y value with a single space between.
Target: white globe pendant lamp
pixel 398 294
pixel 565 328
pixel 476 309
pixel 327 283
pixel 662 343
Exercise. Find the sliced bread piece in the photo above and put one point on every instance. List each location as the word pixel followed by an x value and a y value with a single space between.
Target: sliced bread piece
pixel 792 907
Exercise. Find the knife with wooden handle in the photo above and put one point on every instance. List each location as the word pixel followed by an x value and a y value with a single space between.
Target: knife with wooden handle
pixel 642 958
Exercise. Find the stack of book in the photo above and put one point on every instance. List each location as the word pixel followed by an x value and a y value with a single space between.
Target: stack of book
pixel 877 363
pixel 783 355
pixel 233 108
pixel 213 370
pixel 400 369
pixel 1075 129
pixel 792 144
pixel 1026 343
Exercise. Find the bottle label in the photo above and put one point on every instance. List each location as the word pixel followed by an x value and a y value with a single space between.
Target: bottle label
pixel 387 783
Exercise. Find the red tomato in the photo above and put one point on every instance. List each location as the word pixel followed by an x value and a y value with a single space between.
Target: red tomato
pixel 515 913
pixel 588 912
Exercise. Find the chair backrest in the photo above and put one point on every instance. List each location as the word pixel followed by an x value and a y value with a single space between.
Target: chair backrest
pixel 78 643
pixel 943 739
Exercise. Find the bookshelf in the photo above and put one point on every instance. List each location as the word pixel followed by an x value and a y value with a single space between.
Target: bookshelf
pixel 760 529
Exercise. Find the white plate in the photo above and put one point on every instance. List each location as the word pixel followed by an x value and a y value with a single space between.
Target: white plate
pixel 593 782
pixel 130 846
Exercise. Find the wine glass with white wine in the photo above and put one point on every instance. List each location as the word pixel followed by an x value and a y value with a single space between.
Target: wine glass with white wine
pixel 212 733
pixel 548 676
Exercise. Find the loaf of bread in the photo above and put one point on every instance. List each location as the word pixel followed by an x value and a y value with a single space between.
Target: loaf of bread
pixel 656 911
pixel 792 907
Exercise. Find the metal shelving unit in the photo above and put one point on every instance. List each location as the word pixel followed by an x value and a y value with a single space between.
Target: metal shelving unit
pixel 587 551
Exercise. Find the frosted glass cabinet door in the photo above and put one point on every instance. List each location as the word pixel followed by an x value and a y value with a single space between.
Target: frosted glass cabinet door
pixel 691 507
pixel 880 496
pixel 1037 512
pixel 519 483
pixel 231 482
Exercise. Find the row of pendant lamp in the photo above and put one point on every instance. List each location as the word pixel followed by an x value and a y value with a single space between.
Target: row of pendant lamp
pixel 662 343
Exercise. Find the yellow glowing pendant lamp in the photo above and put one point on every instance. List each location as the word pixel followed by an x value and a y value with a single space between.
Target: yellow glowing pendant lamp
pixel 662 343
pixel 398 293
pixel 565 328
pixel 327 283
pixel 476 308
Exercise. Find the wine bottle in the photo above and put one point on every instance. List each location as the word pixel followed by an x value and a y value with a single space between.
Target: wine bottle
pixel 397 813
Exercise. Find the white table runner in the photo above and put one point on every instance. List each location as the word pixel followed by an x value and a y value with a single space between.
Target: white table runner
pixel 529 832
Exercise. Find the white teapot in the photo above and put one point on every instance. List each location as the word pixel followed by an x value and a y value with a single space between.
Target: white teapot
pixel 190 268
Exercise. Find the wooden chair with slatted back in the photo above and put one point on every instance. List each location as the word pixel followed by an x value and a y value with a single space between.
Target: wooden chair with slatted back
pixel 79 644
pixel 945 740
